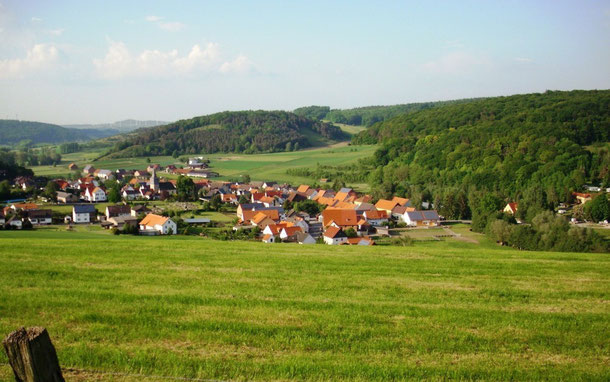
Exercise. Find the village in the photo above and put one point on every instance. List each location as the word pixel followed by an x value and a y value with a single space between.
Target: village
pixel 264 211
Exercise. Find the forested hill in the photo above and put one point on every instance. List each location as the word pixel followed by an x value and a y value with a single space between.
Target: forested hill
pixel 369 115
pixel 13 132
pixel 535 148
pixel 243 131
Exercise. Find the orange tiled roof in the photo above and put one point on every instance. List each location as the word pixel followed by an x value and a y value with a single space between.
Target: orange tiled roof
pixel 153 220
pixel 384 204
pixel 401 201
pixel 341 217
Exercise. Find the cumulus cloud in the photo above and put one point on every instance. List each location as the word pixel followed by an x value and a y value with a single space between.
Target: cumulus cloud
pixel 40 58
pixel 36 19
pixel 240 65
pixel 457 63
pixel 153 19
pixel 119 62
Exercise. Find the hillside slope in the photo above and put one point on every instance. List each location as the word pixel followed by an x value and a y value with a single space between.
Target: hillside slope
pixel 369 115
pixel 243 131
pixel 547 145
pixel 13 131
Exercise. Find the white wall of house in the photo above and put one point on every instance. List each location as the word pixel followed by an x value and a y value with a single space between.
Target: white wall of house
pixel 81 218
pixel 335 241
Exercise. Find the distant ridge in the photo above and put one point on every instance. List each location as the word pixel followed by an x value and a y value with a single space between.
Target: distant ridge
pixel 14 132
pixel 123 126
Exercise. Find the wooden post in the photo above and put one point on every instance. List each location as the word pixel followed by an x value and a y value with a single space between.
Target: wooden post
pixel 32 356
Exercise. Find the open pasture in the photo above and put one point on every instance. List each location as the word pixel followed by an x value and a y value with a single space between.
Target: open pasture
pixel 198 308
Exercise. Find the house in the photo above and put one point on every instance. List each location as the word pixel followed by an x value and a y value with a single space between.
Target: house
pixel 422 218
pixel 120 222
pixel 268 238
pixel 72 167
pixel 159 224
pixel 138 209
pixel 360 241
pixel 2 218
pixel 117 211
pixel 511 208
pixel 289 233
pixel 65 197
pixel 376 218
pixel 582 198
pixel 305 238
pixel 334 236
pixel 242 208
pixel 399 212
pixel 275 229
pixel 105 174
pixel 83 213
pixel 95 194
pixel 386 205
pixel 340 218
pixel 40 217
pixel 402 201
pixel 262 220
pixel 130 194
pixel 88 170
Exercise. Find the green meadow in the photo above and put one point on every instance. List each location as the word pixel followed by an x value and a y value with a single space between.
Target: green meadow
pixel 198 308
pixel 262 167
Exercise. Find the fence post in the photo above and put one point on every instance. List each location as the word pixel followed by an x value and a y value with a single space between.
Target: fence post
pixel 32 356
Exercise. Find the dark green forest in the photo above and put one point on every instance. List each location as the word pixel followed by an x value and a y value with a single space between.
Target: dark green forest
pixel 534 149
pixel 242 132
pixel 13 132
pixel 368 115
pixel 550 144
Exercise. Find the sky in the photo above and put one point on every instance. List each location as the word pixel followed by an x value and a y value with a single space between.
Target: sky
pixel 69 62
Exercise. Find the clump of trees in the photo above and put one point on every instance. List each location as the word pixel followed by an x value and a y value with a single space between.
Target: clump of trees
pixel 245 131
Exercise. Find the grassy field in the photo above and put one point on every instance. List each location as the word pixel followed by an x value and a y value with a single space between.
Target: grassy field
pixel 262 167
pixel 198 308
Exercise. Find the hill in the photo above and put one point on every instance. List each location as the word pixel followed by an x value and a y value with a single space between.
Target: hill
pixel 240 132
pixel 369 115
pixel 124 126
pixel 198 308
pixel 536 148
pixel 13 132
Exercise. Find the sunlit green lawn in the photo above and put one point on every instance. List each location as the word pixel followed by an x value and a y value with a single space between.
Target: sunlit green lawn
pixel 192 307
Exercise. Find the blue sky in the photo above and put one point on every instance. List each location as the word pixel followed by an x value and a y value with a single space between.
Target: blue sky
pixel 91 62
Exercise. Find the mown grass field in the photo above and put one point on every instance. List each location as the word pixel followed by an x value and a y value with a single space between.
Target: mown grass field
pixel 262 167
pixel 198 308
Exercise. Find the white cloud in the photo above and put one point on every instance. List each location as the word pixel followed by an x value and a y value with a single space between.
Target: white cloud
pixel 524 60
pixel 172 27
pixel 119 62
pixel 39 58
pixel 198 57
pixel 457 63
pixel 240 65
pixel 36 19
